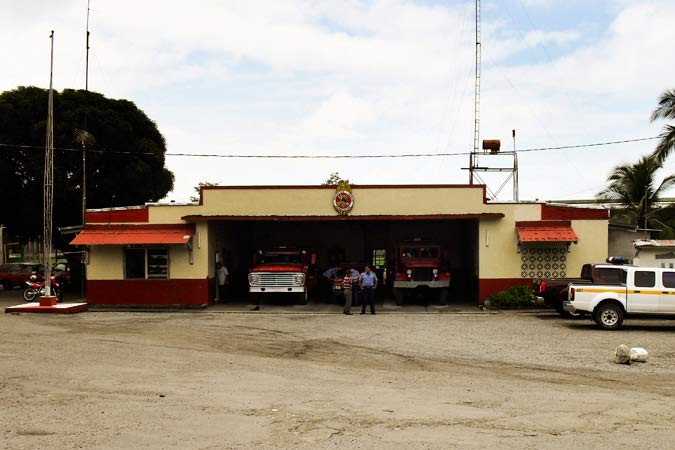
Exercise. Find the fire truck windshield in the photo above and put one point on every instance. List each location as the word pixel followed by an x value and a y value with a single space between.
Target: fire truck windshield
pixel 278 257
pixel 420 252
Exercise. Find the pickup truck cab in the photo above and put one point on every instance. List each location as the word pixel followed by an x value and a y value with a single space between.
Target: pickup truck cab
pixel 632 291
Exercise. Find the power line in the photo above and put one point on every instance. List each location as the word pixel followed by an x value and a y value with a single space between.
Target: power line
pixel 403 155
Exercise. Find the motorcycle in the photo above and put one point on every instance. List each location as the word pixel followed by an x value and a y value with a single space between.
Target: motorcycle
pixel 35 289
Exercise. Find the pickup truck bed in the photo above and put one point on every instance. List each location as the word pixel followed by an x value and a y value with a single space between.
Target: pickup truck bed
pixel 554 291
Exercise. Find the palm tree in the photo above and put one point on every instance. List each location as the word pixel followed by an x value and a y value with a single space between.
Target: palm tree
pixel 634 186
pixel 665 110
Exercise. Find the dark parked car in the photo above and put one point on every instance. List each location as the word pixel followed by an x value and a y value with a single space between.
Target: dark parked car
pixel 16 274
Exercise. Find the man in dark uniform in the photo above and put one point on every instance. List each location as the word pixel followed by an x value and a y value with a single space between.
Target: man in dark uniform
pixel 368 284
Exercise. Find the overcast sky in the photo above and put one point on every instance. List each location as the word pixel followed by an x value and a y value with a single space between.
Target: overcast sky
pixel 357 77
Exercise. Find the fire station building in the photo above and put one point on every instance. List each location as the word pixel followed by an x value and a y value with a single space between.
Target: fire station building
pixel 165 254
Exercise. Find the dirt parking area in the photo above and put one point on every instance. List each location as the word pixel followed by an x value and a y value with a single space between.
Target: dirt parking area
pixel 221 380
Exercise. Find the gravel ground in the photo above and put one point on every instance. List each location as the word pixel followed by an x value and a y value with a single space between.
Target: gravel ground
pixel 223 380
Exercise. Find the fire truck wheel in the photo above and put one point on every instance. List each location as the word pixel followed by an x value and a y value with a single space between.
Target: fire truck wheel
pixel 399 295
pixel 443 296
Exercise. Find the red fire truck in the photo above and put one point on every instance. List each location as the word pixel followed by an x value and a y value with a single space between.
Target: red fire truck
pixel 421 269
pixel 283 270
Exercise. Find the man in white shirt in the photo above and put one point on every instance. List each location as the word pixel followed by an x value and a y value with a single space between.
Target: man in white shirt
pixel 221 279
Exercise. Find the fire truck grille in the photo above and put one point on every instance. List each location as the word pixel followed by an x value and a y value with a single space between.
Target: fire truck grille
pixel 423 274
pixel 276 279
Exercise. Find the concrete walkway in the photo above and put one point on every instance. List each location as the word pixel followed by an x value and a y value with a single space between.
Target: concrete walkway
pixel 388 307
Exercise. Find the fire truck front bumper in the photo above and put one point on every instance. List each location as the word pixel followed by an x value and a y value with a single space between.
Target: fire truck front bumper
pixel 438 284
pixel 277 289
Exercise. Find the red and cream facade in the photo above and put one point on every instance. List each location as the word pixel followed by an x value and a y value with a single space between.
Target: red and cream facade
pixel 509 243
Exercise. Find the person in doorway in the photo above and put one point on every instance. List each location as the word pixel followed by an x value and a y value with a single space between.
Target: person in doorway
pixel 347 290
pixel 368 284
pixel 355 286
pixel 222 276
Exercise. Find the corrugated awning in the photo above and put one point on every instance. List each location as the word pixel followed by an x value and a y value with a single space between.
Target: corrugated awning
pixel 546 231
pixel 134 234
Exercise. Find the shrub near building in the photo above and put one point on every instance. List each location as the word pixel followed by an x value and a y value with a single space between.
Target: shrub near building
pixel 512 298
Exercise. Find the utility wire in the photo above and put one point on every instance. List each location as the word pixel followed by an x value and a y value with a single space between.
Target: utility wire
pixel 403 155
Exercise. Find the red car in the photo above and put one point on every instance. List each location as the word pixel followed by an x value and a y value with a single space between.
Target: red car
pixel 16 274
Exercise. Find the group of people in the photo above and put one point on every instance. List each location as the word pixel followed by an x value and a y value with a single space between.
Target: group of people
pixel 359 288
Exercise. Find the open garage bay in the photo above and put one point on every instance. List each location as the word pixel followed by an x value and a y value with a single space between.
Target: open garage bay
pixel 349 240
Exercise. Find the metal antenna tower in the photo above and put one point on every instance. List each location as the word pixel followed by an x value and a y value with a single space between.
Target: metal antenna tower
pixel 83 136
pixel 490 147
pixel 473 158
pixel 86 66
pixel 49 179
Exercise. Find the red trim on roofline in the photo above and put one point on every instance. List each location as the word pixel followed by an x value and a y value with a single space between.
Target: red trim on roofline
pixel 551 212
pixel 118 215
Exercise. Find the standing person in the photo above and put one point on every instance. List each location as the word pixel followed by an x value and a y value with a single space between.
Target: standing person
pixel 355 286
pixel 222 275
pixel 368 284
pixel 347 290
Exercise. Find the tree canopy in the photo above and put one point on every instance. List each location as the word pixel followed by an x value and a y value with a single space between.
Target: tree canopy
pixel 636 188
pixel 334 179
pixel 665 110
pixel 124 164
pixel 198 189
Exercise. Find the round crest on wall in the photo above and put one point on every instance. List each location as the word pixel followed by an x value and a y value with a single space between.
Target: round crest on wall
pixel 343 200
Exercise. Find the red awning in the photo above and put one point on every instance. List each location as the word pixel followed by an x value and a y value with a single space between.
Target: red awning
pixel 546 231
pixel 134 234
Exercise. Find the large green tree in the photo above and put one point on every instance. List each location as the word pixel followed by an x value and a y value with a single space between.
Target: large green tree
pixel 125 156
pixel 636 188
pixel 665 110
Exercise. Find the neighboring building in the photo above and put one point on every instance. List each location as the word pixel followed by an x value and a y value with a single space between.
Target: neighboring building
pixel 165 254
pixel 655 253
pixel 622 238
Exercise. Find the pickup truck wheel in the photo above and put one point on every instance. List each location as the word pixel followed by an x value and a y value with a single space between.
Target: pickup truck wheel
pixel 608 316
pixel 7 285
pixel 304 297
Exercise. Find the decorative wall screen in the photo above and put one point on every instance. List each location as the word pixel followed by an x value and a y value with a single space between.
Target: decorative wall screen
pixel 539 261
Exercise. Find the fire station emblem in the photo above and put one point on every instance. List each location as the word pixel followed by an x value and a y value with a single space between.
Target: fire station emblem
pixel 343 200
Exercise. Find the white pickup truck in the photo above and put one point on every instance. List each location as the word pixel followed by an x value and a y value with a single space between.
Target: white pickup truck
pixel 636 291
